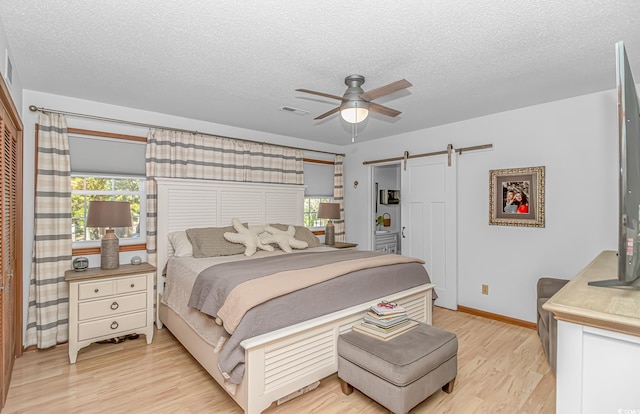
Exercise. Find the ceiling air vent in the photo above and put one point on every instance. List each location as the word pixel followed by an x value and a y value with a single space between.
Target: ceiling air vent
pixel 293 110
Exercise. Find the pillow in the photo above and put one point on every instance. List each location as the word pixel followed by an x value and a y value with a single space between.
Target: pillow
pixel 210 242
pixel 284 239
pixel 302 234
pixel 181 245
pixel 246 237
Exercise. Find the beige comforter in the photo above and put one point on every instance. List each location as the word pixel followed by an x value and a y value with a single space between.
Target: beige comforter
pixel 253 292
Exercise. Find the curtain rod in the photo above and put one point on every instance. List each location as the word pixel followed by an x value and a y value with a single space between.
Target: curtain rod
pixel 34 108
pixel 428 154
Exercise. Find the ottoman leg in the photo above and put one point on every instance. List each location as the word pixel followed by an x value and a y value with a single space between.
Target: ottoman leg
pixel 448 387
pixel 346 388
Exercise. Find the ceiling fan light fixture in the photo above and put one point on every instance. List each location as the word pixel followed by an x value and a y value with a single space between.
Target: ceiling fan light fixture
pixel 354 111
pixel 356 103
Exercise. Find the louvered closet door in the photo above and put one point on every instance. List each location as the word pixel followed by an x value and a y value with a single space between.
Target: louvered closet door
pixel 8 264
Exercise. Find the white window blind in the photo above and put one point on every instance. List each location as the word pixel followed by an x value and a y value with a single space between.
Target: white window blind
pixel 318 179
pixel 107 156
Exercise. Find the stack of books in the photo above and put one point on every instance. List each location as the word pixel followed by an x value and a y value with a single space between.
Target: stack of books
pixel 385 321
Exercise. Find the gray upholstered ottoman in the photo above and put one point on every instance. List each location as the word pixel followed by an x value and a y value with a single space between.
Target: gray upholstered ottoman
pixel 402 372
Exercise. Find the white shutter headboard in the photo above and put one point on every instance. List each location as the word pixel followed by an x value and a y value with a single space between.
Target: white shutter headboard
pixel 189 203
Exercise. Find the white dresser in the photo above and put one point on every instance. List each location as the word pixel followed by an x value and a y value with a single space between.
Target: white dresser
pixel 598 343
pixel 387 243
pixel 104 304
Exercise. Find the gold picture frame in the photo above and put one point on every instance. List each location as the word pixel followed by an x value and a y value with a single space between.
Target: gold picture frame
pixel 516 197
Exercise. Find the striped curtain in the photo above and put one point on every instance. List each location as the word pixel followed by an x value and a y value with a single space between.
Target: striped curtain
pixel 266 163
pixel 338 196
pixel 177 154
pixel 48 312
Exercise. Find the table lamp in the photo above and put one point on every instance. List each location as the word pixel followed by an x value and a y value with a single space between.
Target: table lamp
pixel 109 214
pixel 329 211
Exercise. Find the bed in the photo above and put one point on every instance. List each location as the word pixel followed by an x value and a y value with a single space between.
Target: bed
pixel 277 363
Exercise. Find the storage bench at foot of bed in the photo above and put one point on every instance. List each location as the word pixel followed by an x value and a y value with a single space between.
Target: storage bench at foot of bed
pixel 402 372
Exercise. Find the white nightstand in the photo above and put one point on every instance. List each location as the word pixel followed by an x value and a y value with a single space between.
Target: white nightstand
pixel 104 304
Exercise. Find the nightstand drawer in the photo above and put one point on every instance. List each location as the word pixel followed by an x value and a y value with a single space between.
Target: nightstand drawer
pixel 111 306
pixel 131 284
pixel 93 290
pixel 111 326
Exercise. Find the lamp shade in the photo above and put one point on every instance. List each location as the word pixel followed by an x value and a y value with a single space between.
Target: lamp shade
pixel 109 214
pixel 329 211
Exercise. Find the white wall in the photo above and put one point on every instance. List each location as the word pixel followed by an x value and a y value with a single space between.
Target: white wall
pixel 575 139
pixel 64 103
pixel 15 87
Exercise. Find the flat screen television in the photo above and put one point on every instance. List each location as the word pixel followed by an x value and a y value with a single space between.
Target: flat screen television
pixel 629 187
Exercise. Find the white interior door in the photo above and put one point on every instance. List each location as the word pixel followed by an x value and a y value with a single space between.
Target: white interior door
pixel 429 221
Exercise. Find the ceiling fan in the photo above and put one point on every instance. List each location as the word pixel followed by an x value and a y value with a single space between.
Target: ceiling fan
pixel 356 103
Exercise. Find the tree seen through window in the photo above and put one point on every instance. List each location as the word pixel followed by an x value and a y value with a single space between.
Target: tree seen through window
pixel 88 188
pixel 311 206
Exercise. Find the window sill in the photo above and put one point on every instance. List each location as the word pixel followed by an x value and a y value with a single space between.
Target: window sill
pixel 85 251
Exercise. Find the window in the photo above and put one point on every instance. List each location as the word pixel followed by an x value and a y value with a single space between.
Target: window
pixel 311 206
pixel 318 188
pixel 85 188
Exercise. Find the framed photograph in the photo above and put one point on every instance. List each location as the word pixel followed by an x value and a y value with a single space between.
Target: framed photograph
pixel 516 197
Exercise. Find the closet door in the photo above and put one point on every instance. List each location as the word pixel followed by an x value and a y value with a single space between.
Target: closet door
pixel 10 240
pixel 7 254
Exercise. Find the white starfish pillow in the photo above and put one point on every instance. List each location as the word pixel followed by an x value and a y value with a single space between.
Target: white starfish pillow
pixel 284 239
pixel 259 229
pixel 246 237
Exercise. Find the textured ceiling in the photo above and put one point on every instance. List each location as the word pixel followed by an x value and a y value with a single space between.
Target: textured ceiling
pixel 236 63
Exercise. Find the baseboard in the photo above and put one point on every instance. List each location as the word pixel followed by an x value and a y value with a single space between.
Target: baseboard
pixel 495 316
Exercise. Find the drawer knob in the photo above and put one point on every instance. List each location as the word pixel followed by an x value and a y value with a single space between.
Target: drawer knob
pixel 96 290
pixel 133 285
pixel 115 306
pixel 114 325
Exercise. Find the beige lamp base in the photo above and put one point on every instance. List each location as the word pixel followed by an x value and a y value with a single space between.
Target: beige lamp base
pixel 330 234
pixel 110 251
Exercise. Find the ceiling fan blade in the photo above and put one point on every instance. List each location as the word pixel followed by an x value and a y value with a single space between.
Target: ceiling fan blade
pixel 326 95
pixel 385 90
pixel 326 114
pixel 374 107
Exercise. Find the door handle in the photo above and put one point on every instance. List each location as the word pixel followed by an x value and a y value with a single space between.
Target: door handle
pixel 403 232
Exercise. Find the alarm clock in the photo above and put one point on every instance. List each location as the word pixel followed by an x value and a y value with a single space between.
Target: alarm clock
pixel 80 264
pixel 136 260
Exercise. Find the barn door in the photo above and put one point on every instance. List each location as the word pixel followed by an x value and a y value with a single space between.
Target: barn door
pixel 429 218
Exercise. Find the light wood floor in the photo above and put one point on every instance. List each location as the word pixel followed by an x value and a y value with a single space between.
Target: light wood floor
pixel 501 369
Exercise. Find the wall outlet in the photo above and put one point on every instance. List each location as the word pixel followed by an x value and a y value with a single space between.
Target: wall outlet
pixel 485 289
